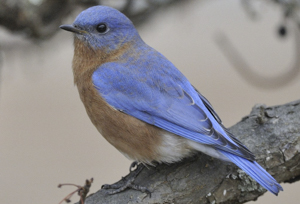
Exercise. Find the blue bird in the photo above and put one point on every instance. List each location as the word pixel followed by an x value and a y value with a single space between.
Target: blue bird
pixel 142 104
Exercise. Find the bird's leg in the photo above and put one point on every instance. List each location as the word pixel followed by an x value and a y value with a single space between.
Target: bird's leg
pixel 127 182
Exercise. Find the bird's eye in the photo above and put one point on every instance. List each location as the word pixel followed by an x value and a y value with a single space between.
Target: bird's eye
pixel 102 28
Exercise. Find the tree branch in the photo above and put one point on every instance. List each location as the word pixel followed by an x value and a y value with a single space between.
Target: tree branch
pixel 272 133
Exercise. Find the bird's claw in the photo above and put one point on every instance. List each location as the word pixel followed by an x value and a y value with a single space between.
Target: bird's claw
pixel 127 182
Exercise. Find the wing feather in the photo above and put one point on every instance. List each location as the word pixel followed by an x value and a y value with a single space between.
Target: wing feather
pixel 170 103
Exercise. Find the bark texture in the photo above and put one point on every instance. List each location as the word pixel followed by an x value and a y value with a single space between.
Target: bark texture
pixel 271 133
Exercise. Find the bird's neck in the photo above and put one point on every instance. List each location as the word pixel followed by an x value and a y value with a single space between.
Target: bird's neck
pixel 86 59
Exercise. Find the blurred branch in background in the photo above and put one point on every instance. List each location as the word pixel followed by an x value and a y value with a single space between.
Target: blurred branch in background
pixel 242 67
pixel 39 19
pixel 290 12
pixel 34 18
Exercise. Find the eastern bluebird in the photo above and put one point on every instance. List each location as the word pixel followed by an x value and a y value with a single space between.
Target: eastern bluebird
pixel 142 104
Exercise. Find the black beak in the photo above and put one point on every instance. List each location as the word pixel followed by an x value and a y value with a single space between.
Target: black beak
pixel 72 29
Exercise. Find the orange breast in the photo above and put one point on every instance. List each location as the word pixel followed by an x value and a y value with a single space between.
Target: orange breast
pixel 134 138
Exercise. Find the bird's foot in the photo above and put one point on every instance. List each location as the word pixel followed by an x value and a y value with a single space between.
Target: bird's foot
pixel 127 182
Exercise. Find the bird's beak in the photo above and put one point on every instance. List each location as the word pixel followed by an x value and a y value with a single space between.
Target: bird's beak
pixel 72 29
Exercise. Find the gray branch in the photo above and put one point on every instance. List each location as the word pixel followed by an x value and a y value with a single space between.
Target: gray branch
pixel 272 133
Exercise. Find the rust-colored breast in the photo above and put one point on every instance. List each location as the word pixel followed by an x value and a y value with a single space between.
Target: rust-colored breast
pixel 134 138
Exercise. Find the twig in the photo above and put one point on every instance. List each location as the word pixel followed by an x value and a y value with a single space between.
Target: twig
pixel 81 190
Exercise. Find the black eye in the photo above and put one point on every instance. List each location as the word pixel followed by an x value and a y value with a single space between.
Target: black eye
pixel 101 28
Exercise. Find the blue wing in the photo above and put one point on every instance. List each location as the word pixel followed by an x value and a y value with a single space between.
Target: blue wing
pixel 166 99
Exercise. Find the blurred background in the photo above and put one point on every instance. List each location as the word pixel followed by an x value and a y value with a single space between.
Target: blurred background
pixel 237 53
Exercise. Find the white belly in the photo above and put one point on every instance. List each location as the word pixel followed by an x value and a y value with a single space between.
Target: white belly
pixel 174 148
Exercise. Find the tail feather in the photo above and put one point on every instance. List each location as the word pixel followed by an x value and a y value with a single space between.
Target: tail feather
pixel 253 169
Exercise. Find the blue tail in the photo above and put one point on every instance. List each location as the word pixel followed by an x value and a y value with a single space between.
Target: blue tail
pixel 253 169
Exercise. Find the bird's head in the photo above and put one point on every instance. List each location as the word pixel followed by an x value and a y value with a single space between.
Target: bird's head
pixel 104 28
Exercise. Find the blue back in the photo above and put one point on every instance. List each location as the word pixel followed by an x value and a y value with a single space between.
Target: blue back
pixel 150 88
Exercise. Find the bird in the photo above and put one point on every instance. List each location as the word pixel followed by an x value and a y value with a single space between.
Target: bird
pixel 142 104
